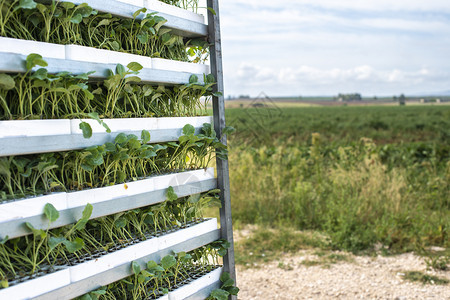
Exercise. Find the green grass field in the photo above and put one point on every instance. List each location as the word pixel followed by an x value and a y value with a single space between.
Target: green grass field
pixel 363 176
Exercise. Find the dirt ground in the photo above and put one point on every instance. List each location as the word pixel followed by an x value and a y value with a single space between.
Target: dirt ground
pixel 310 274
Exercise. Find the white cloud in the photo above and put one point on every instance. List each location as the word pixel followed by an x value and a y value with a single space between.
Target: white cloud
pixel 306 79
pixel 323 46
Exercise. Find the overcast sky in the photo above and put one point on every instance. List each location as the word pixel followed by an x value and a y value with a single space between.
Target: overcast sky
pixel 323 47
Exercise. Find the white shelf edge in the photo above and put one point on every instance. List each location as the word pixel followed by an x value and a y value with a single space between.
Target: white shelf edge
pixel 39 136
pixel 11 62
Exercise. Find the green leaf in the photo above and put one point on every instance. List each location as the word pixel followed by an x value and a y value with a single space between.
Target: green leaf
pixel 120 69
pixel 188 129
pixel 76 19
pixel 120 223
pixel 193 79
pixel 212 10
pixel 171 196
pixel 74 246
pixel 86 297
pixel 228 283
pixel 233 290
pixel 87 130
pixel 121 138
pixel 219 294
pixel 222 252
pixel 104 22
pixel 95 116
pixel 33 60
pixel 26 4
pixel 145 136
pixel 143 37
pixel 40 74
pixel 138 12
pixel 115 46
pixel 51 213
pixel 6 82
pixel 168 261
pixel 87 212
pixel 67 5
pixel 53 242
pixel 134 144
pixel 134 79
pixel 4 284
pixel 225 276
pixel 134 66
pixel 36 232
pixel 136 268
pixel 151 264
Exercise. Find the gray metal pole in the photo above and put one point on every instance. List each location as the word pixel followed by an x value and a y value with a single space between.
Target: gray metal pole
pixel 219 124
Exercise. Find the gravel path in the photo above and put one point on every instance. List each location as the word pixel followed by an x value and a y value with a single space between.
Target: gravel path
pixel 356 277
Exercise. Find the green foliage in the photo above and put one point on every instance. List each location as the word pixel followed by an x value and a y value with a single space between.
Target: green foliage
pixel 40 95
pixel 29 253
pixel 66 23
pixel 390 189
pixel 417 276
pixel 51 213
pixel 155 280
pixel 266 244
pixel 127 159
pixel 226 289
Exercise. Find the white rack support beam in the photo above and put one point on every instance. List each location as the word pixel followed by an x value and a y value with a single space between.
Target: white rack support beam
pixel 80 279
pixel 105 201
pixel 40 136
pixel 183 23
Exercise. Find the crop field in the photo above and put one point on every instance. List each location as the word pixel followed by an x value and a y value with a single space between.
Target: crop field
pixel 361 176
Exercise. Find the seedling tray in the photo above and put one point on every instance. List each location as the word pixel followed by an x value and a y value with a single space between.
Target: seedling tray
pixel 82 286
pixel 182 22
pixel 105 201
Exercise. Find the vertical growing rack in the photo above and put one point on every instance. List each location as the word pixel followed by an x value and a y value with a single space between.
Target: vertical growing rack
pixel 41 136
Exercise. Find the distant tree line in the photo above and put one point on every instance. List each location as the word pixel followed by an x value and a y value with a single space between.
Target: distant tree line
pixel 349 97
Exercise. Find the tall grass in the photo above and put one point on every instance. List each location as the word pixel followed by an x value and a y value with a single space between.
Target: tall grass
pixel 359 193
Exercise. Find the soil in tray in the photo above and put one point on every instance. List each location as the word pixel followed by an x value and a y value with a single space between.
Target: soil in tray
pixel 90 254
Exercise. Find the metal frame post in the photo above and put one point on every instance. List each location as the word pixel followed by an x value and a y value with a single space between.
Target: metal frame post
pixel 223 179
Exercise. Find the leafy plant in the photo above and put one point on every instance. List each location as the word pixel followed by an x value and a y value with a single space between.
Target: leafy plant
pixel 66 23
pixel 40 95
pixel 225 290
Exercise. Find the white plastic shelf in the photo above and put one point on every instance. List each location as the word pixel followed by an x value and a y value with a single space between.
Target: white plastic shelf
pixel 182 22
pixel 105 201
pixel 77 280
pixel 93 55
pixel 19 137
pixel 15 63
